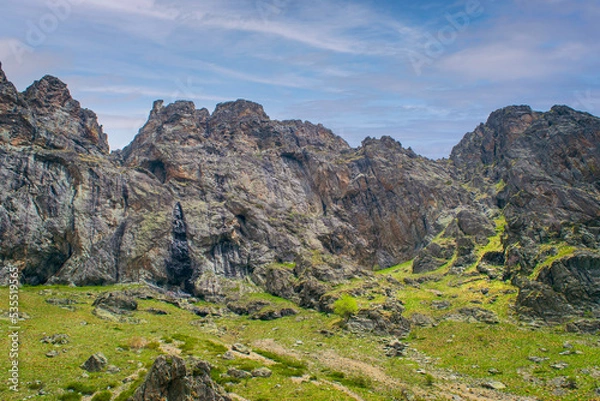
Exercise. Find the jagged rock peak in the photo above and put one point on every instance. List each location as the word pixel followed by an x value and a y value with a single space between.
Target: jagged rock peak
pixel 48 91
pixel 3 79
pixel 179 108
pixel 240 110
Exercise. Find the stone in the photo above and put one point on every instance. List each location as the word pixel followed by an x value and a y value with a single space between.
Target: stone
pixel 238 373
pixel 228 356
pixel 494 385
pixel 586 326
pixel 95 363
pixel 262 372
pixel 395 348
pixel 52 354
pixel 116 302
pixel 170 378
pixel 474 314
pixel 112 369
pixel 56 339
pixel 421 320
pixel 538 300
pixel 241 348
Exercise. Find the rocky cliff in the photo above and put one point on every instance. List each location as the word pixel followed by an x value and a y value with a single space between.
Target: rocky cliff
pixel 199 197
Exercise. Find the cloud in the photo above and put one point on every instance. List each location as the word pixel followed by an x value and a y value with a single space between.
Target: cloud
pixel 180 92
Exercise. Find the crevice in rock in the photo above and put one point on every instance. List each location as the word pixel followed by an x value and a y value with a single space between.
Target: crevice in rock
pixel 180 266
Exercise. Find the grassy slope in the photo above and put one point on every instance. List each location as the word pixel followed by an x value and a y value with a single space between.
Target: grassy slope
pixel 344 366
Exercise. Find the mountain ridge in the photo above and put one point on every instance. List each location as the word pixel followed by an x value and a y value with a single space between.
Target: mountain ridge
pixel 198 200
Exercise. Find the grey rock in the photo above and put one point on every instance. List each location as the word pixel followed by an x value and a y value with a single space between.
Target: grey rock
pixel 115 302
pixel 238 373
pixel 420 320
pixel 170 378
pixel 241 348
pixel 95 363
pixel 584 326
pixel 395 348
pixel 474 314
pixel 494 385
pixel 262 372
pixel 539 300
pixel 56 339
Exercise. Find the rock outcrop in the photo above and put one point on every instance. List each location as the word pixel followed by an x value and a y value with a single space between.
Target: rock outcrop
pixel 171 379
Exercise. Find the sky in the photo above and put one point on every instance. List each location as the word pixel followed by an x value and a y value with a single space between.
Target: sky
pixel 424 73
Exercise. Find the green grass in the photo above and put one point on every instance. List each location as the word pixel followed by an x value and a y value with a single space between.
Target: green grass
pixel 81 388
pixel 295 346
pixel 102 396
pixel 70 397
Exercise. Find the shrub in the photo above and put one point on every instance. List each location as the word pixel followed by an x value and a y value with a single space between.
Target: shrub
pixel 136 343
pixel 345 307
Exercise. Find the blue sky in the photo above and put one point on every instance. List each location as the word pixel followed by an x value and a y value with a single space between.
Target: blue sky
pixel 422 72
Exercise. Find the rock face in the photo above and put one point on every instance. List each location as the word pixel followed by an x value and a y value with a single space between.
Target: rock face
pixel 199 194
pixel 542 171
pixel 199 199
pixel 542 168
pixel 170 379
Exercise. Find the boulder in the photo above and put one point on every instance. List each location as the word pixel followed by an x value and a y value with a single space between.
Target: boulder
pixel 171 379
pixel 116 302
pixel 95 363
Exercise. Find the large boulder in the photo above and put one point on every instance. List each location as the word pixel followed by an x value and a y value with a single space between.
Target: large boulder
pixel 171 379
pixel 116 302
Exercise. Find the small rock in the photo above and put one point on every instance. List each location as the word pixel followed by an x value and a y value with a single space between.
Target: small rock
pixel 228 356
pixel 57 339
pixel 113 369
pixel 395 348
pixel 262 372
pixel 95 363
pixel 440 305
pixel 559 366
pixel 494 371
pixel 567 345
pixel 495 385
pixel 242 349
pixel 239 374
pixel 52 354
pixel 537 359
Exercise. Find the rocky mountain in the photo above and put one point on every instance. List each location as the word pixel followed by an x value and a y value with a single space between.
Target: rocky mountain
pixel 200 200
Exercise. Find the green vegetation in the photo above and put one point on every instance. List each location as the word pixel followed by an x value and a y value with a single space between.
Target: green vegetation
pixel 309 355
pixel 82 388
pixel 102 396
pixel 70 397
pixel 345 307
